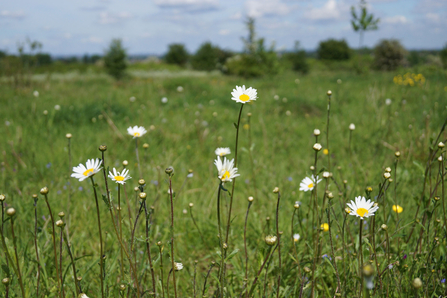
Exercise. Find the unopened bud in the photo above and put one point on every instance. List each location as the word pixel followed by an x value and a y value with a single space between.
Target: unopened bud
pixel 10 212
pixel 329 93
pixel 141 182
pixel 417 283
pixel 388 169
pixel 143 195
pixel 397 154
pixel 316 132
pixel 2 198
pixel 68 135
pixel 44 190
pixel 384 227
pixel 60 223
pixel 102 148
pixel 145 145
pixel 276 190
pixel 317 147
pixel 125 163
pixel 250 199
pixel 441 145
pixel 169 171
pixel 61 214
pixel 386 175
pixel 270 240
pixel 352 126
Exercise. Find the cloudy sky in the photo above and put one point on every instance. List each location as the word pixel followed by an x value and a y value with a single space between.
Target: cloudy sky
pixel 148 26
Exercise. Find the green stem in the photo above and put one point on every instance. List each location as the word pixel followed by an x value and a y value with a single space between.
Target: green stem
pixel 245 248
pixel 220 240
pixel 17 258
pixel 101 256
pixel 279 243
pixel 172 238
pixel 121 231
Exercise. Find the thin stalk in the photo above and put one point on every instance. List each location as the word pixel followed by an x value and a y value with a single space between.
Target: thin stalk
pixel 172 237
pixel 250 154
pixel 206 278
pixel 360 255
pixel 194 281
pixel 148 249
pixel 245 247
pixel 78 289
pixel 329 94
pixel 197 227
pixel 69 184
pixel 138 158
pixel 315 216
pixel 101 256
pixel 54 244
pixel 35 244
pixel 19 275
pixel 132 267
pixel 374 250
pixel 443 189
pixel 279 243
pixel 259 272
pixel 121 232
pixel 60 261
pixel 219 226
pixel 332 249
pixel 167 282
pixel 161 268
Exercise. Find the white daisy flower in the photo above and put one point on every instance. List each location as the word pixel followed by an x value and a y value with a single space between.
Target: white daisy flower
pixel 296 237
pixel 225 170
pixel 222 151
pixel 309 183
pixel 362 208
pixel 136 131
pixel 178 266
pixel 242 95
pixel 91 167
pixel 82 295
pixel 119 177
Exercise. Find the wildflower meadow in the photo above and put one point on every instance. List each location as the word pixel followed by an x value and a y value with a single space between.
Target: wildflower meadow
pixel 325 185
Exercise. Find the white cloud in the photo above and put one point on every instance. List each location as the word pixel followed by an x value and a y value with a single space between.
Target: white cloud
pixel 189 5
pixel 67 35
pixel 395 20
pixel 12 14
pixel 330 11
pixel 236 16
pixel 92 39
pixel 224 32
pixel 257 9
pixel 106 18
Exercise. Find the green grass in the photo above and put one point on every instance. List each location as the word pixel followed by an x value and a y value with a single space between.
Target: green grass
pixel 184 133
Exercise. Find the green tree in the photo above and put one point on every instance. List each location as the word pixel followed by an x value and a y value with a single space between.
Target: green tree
pixel 115 59
pixel 364 21
pixel 177 54
pixel 443 55
pixel 389 54
pixel 333 49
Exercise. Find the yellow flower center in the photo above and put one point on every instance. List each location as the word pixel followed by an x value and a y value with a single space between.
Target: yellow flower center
pixel 119 178
pixel 397 209
pixel 136 134
pixel 86 173
pixel 362 212
pixel 310 185
pixel 226 176
pixel 221 154
pixel 244 97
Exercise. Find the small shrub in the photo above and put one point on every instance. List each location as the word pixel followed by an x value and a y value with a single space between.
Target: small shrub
pixel 209 57
pixel 253 65
pixel 389 55
pixel 332 49
pixel 177 54
pixel 115 59
pixel 298 59
pixel 443 55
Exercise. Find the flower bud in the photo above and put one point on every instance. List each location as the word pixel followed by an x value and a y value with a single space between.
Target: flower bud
pixel 307 269
pixel 143 195
pixel 312 168
pixel 122 287
pixel 297 205
pixel 2 198
pixel 191 205
pixel 136 189
pixel 437 198
pixel 330 195
pixel 5 281
pixel 248 114
pixel 68 135
pixel 384 227
pixel 386 175
pixel 159 243
pixel 276 190
pixel 317 147
pixel 270 240
pixel 61 214
pixel 316 132
pixel 102 148
pixel 352 126
pixel 141 182
pixel 416 283
pixel 329 93
pixel 397 154
pixel 169 171
pixel 44 190
pixel 145 145
pixel 10 212
pixel 224 245
pixel 440 158
pixel 368 270
pixel 347 210
pixel 60 223
pixel 369 189
pixel 125 163
pixel 326 175
pixel 388 169
pixel 250 199
pixel 441 145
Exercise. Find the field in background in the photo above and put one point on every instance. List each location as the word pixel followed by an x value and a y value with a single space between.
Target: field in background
pixel 183 133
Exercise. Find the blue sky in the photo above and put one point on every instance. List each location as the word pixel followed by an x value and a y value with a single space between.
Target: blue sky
pixel 148 26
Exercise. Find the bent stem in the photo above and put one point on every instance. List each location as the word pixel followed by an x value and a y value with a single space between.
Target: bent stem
pixel 101 256
pixel 78 289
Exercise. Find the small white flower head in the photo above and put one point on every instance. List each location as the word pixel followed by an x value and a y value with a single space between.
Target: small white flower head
pixel 326 174
pixel 179 89
pixel 297 81
pixel 36 93
pixel 388 101
pixel 316 132
pixel 132 99
pixel 57 107
pixel 190 175
pixel 276 97
pixel 119 177
pixel 91 167
pixel 339 81
pixel 296 237
pixel 178 266
pixel 164 100
pixel 222 151
pixel 309 183
pixel 317 146
pixel 362 208
pixel 225 169
pixel 242 95
pixel 136 131
pixel 351 126
pixel 82 295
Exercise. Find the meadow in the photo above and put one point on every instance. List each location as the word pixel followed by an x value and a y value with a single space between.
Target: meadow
pixel 389 254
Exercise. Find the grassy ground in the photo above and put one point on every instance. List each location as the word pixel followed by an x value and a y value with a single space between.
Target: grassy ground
pixel 275 150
